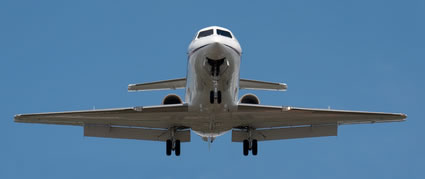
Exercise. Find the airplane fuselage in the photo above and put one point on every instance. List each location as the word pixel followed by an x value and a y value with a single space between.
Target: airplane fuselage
pixel 212 85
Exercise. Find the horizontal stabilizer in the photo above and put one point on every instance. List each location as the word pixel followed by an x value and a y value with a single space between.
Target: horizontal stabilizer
pixel 261 85
pixel 159 85
pixel 286 133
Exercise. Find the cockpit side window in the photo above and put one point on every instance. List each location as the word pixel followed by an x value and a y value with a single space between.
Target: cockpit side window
pixel 205 33
pixel 224 33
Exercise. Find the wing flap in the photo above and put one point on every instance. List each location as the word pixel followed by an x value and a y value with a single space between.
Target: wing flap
pixel 159 85
pixel 134 133
pixel 286 133
pixel 261 85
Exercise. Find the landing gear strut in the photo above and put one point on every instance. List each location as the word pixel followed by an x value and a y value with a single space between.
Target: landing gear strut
pixel 215 94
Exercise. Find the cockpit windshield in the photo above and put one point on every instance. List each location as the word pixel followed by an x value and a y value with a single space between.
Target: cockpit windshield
pixel 205 33
pixel 224 33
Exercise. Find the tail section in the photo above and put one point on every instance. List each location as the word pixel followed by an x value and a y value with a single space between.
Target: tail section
pixel 159 85
pixel 261 85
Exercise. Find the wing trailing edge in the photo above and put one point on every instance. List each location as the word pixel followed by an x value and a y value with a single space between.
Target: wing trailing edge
pixel 286 133
pixel 134 133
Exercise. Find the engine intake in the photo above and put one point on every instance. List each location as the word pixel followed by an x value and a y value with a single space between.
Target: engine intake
pixel 172 99
pixel 249 99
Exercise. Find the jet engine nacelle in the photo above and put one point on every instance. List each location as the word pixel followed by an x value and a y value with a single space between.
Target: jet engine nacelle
pixel 249 99
pixel 172 99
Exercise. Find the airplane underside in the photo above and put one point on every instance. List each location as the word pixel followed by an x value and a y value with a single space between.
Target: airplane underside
pixel 212 106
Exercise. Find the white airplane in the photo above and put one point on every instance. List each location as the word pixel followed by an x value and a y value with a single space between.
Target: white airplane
pixel 211 106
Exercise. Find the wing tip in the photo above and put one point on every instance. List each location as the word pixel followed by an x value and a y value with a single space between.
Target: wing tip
pixel 17 118
pixel 400 116
pixel 283 86
pixel 403 116
pixel 130 87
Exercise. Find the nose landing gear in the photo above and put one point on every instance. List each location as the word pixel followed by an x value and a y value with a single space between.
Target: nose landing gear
pixel 215 95
pixel 215 71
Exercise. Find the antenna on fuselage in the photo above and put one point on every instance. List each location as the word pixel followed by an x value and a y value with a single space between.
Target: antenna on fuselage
pixel 209 144
pixel 210 141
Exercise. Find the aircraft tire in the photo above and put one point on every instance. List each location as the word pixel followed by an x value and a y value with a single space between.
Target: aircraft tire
pixel 245 147
pixel 254 147
pixel 168 147
pixel 212 97
pixel 219 97
pixel 177 148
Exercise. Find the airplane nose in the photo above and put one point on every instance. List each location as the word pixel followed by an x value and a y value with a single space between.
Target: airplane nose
pixel 216 51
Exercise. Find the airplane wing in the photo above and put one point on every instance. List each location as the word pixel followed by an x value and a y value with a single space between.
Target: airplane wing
pixel 261 85
pixel 145 123
pixel 279 122
pixel 159 85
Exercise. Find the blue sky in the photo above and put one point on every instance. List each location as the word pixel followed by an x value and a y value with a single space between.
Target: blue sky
pixel 75 55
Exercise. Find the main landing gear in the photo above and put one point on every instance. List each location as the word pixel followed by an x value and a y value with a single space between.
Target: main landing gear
pixel 250 145
pixel 173 145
